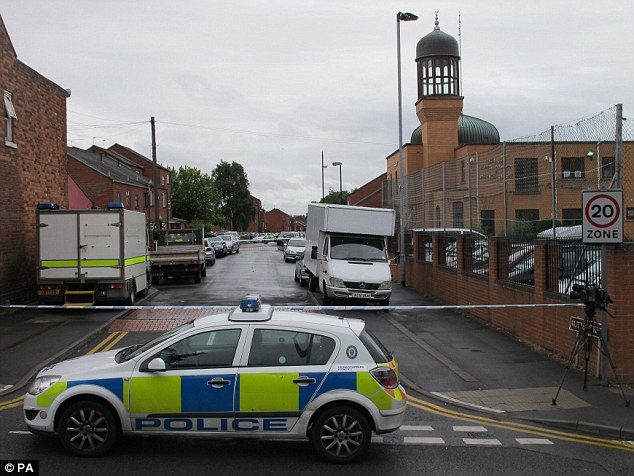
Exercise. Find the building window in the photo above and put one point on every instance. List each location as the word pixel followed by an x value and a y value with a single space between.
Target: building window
pixel 164 199
pixel 127 198
pixel 526 221
pixel 168 179
pixel 118 196
pixel 462 172
pixel 573 168
pixel 162 179
pixel 571 216
pixel 457 209
pixel 526 178
pixel 9 118
pixel 487 219
pixel 136 202
pixel 608 167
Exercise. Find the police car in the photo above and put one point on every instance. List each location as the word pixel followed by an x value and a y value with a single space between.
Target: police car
pixel 253 372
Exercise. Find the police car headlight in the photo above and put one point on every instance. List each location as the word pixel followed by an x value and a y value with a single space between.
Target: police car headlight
pixel 337 283
pixel 385 285
pixel 41 384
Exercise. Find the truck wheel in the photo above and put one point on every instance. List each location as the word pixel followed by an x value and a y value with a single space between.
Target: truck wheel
pixel 340 434
pixel 87 428
pixel 197 276
pixel 155 280
pixel 327 300
pixel 203 273
pixel 132 296
pixel 312 283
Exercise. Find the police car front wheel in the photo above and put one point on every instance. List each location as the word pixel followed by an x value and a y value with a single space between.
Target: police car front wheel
pixel 87 428
pixel 341 435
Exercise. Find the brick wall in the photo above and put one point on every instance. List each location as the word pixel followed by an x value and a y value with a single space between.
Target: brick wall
pixel 547 328
pixel 277 221
pixel 32 172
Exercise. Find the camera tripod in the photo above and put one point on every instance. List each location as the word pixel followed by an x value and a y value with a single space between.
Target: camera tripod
pixel 585 340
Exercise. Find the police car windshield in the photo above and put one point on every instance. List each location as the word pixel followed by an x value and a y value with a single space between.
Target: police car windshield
pixel 124 356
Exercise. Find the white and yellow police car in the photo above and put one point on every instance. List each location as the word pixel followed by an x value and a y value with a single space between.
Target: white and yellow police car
pixel 253 372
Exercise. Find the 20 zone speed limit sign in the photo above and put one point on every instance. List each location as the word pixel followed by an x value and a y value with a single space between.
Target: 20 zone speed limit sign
pixel 602 216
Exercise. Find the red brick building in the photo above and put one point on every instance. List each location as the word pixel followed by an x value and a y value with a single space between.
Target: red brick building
pixel 276 221
pixel 164 185
pixel 257 224
pixel 32 165
pixel 369 194
pixel 104 178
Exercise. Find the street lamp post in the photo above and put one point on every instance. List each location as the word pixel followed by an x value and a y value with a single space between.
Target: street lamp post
pixel 322 176
pixel 400 16
pixel 338 164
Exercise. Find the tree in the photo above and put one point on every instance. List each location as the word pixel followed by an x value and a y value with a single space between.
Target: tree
pixel 194 197
pixel 236 204
pixel 335 197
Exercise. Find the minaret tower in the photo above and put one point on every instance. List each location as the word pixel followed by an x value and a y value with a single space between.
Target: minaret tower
pixel 439 102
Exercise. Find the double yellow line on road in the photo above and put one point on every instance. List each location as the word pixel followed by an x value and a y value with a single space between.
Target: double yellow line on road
pixel 520 427
pixel 108 343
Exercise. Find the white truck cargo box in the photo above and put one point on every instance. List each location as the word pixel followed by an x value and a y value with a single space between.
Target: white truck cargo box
pixel 99 254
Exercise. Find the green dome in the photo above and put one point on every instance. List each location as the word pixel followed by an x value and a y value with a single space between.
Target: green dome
pixel 471 131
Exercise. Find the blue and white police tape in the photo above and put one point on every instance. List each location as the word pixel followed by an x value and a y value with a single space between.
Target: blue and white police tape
pixel 295 307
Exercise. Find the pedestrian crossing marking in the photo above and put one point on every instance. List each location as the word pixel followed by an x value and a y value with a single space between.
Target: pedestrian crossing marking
pixel 482 441
pixel 470 429
pixel 534 441
pixel 423 440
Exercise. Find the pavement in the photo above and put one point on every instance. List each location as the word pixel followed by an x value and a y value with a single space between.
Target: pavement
pixel 471 364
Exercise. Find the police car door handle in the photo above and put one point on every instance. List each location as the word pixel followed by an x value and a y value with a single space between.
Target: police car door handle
pixel 303 381
pixel 218 382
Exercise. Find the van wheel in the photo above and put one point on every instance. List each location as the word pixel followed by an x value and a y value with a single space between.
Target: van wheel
pixel 132 297
pixel 312 283
pixel 327 300
pixel 341 435
pixel 87 428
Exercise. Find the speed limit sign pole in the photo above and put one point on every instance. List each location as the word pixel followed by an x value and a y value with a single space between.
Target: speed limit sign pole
pixel 603 224
pixel 602 216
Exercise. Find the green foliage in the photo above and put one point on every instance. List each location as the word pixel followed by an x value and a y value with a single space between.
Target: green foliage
pixel 236 204
pixel 336 197
pixel 194 197
pixel 546 225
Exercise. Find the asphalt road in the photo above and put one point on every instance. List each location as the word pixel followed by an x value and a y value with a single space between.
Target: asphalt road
pixel 438 352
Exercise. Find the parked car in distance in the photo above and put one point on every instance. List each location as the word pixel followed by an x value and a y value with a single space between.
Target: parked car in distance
pixel 301 273
pixel 283 237
pixel 294 249
pixel 210 252
pixel 233 244
pixel 219 244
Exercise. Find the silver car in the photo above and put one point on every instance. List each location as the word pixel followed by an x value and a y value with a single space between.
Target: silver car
pixel 294 249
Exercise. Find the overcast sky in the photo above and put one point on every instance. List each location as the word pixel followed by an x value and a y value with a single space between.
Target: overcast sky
pixel 272 84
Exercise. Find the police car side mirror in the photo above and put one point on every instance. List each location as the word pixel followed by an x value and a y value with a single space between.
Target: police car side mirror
pixel 156 365
pixel 313 252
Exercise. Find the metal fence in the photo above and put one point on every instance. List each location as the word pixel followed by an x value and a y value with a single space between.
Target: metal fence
pixel 521 186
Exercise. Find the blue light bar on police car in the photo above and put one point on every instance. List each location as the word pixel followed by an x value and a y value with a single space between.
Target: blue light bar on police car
pixel 47 206
pixel 251 303
pixel 115 205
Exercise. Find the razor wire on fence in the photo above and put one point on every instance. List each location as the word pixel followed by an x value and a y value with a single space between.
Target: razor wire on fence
pixel 524 185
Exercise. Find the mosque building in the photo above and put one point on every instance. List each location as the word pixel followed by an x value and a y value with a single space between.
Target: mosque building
pixel 459 175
